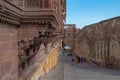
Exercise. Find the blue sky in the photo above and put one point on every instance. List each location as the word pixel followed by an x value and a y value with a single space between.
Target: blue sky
pixel 85 12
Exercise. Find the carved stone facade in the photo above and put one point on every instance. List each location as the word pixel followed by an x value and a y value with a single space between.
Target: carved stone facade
pixel 28 30
pixel 100 43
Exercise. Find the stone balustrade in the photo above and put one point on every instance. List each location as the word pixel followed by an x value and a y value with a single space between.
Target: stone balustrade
pixel 48 63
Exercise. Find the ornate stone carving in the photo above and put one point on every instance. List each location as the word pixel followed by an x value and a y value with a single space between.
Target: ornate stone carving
pixel 32 3
pixel 46 3
pixel 36 26
pixel 1 6
pixel 4 19
pixel 21 2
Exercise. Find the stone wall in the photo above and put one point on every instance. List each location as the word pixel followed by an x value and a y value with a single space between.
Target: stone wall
pixel 9 60
pixel 8 52
pixel 100 43
pixel 69 41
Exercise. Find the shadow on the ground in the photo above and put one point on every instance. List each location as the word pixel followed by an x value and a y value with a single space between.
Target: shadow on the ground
pixel 90 67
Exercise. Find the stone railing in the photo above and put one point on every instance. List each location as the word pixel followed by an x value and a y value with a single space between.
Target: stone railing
pixel 42 63
pixel 45 64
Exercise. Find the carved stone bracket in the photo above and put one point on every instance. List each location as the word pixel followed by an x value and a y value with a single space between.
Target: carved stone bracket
pixel 1 7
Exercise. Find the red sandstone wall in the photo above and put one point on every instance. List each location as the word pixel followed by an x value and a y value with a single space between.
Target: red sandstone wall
pixel 29 31
pixel 8 52
pixel 10 35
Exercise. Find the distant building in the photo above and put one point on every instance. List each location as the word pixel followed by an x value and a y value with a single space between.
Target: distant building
pixel 70 31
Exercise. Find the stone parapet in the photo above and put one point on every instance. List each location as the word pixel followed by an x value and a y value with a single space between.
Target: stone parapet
pixel 48 63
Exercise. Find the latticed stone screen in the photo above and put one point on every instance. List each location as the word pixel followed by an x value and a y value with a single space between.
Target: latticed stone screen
pixel 20 3
pixel 38 3
pixel 33 3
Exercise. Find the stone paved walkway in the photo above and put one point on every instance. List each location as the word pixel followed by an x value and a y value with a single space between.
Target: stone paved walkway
pixel 65 71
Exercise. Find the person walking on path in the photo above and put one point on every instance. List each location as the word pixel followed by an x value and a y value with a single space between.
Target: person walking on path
pixel 72 61
pixel 81 60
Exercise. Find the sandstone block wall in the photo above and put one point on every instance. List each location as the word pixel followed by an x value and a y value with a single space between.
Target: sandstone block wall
pixel 100 43
pixel 8 52
pixel 29 31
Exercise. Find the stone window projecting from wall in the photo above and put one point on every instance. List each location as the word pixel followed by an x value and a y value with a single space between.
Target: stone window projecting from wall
pixel 20 3
pixel 46 3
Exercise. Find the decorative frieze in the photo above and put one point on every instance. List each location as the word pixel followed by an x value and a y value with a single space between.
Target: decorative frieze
pixel 32 3
pixel 29 17
pixel 4 19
